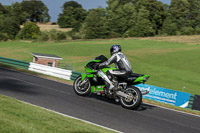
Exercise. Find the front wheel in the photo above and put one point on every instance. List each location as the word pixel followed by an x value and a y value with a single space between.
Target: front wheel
pixel 82 87
pixel 134 100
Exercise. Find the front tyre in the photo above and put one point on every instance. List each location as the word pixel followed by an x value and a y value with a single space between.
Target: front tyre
pixel 134 100
pixel 82 88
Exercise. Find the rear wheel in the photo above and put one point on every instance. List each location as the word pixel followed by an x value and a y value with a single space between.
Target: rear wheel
pixel 134 100
pixel 82 88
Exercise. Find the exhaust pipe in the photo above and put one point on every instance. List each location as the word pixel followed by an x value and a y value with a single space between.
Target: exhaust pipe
pixel 144 92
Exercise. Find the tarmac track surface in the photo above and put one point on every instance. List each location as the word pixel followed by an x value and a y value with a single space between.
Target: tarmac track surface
pixel 60 97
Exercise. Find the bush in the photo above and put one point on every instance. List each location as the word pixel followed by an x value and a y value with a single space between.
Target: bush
pixel 197 30
pixel 52 35
pixel 75 35
pixel 113 34
pixel 43 36
pixel 53 23
pixel 60 36
pixel 187 31
pixel 29 31
pixel 4 37
pixel 57 35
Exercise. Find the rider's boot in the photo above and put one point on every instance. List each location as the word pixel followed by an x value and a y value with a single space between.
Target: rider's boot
pixel 111 85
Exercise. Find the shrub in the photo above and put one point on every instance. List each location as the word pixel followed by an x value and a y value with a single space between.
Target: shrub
pixel 114 35
pixel 52 35
pixel 60 35
pixel 43 36
pixel 75 35
pixel 53 23
pixel 4 37
pixel 197 30
pixel 187 31
pixel 29 31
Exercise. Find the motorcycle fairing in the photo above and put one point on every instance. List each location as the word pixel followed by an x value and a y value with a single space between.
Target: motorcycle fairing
pixel 99 88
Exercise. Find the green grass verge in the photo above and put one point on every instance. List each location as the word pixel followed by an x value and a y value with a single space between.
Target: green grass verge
pixel 18 117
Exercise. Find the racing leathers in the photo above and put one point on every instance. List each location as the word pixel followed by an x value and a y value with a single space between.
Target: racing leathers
pixel 122 64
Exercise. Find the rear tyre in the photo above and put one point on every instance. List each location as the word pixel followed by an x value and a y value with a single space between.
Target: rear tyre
pixel 80 88
pixel 135 98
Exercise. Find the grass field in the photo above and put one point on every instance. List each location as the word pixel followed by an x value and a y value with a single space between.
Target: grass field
pixel 17 117
pixel 191 40
pixel 170 64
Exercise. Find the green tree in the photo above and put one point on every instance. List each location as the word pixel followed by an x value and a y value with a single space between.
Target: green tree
pixel 143 26
pixel 180 10
pixel 157 12
pixel 2 10
pixel 37 11
pixel 169 27
pixel 194 15
pixel 9 26
pixel 95 24
pixel 29 31
pixel 121 16
pixel 72 16
pixel 73 4
pixel 16 10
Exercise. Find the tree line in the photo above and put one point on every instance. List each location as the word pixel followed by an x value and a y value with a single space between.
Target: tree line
pixel 133 18
pixel 11 17
pixel 121 18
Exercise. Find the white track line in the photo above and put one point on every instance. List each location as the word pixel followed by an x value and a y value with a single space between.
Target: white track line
pixel 71 117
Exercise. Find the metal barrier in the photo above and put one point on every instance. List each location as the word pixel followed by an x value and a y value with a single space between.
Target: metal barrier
pixel 52 71
pixel 74 75
pixel 191 101
pixel 194 102
pixel 15 63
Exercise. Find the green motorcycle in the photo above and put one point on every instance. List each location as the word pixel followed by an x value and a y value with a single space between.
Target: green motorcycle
pixel 126 93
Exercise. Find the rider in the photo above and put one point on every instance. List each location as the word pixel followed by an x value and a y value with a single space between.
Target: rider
pixel 122 64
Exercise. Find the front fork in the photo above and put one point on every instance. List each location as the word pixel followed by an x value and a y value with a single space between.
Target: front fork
pixel 83 80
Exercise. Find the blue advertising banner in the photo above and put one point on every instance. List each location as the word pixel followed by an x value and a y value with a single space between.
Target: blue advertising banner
pixel 168 96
